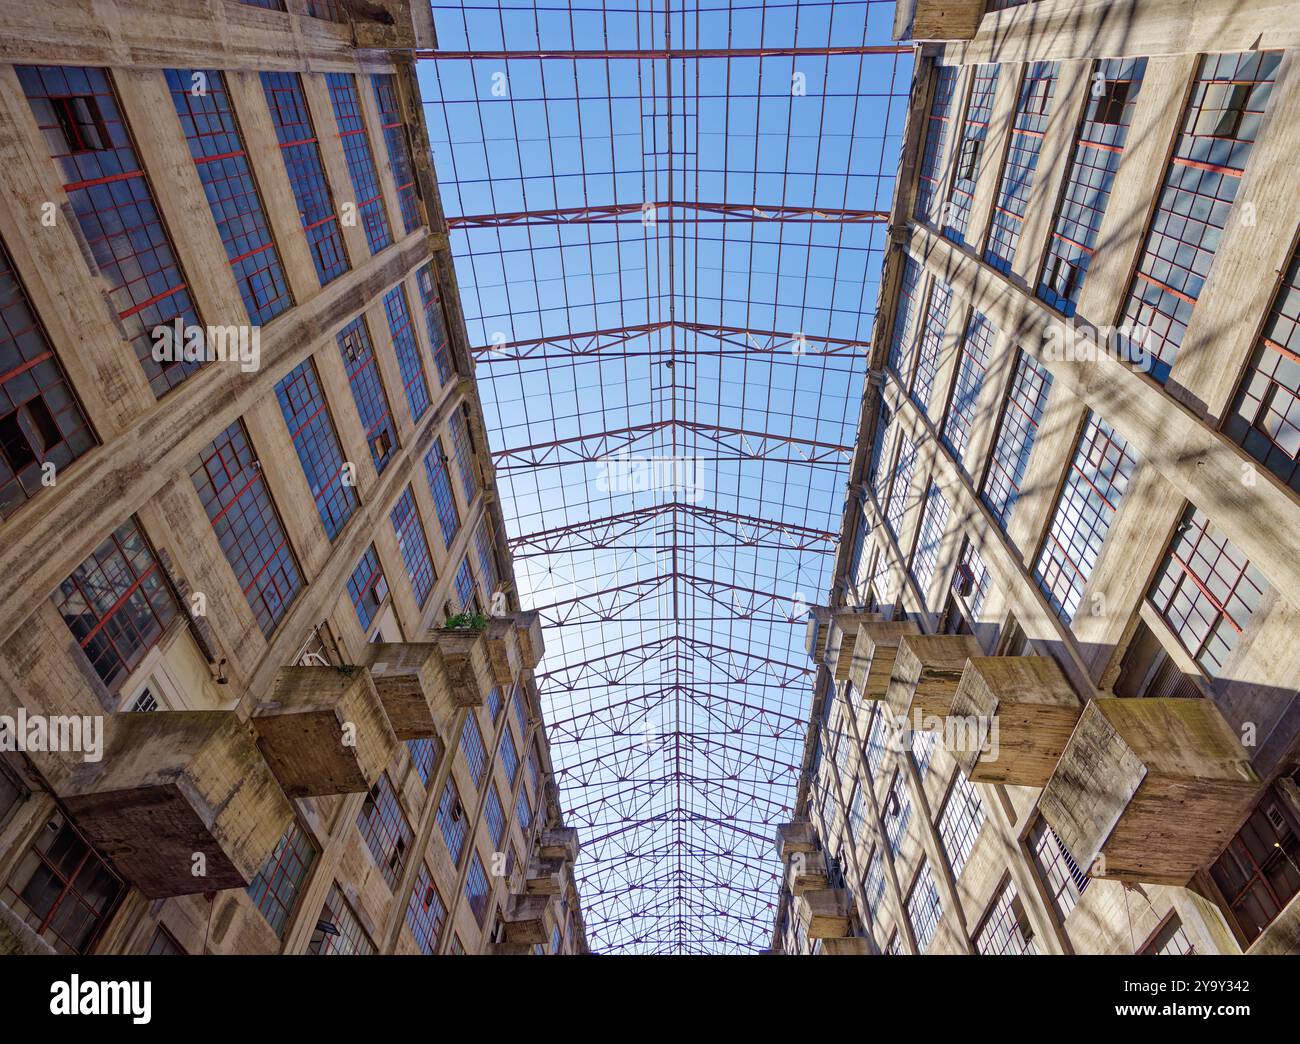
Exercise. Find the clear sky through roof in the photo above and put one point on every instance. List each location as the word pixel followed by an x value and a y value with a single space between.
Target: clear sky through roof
pixel 668 264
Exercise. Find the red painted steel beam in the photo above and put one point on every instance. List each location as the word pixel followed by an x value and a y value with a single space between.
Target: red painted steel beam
pixel 660 53
pixel 611 213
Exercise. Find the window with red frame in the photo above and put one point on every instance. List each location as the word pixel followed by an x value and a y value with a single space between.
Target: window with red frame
pixel 62 888
pixel 452 822
pixel 411 541
pixel 1057 868
pixel 927 356
pixel 1003 930
pixel 228 479
pixel 302 163
pixel 509 756
pixel 425 913
pixel 338 932
pixel 975 129
pixel 1265 418
pixel 41 421
pixel 1259 872
pixel 368 392
pixel 399 149
pixel 117 604
pixel 1017 429
pixel 463 447
pixel 495 817
pixel 423 756
pixel 477 889
pixel 444 501
pixel 1206 591
pixel 360 159
pixel 972 364
pixel 77 112
pixel 407 349
pixel 276 887
pixel 1032 110
pixel 1220 123
pixel 901 484
pixel 930 173
pixel 487 559
pixel 306 415
pixel 208 123
pixel 934 519
pixel 900 343
pixel 466 595
pixel 1169 940
pixel 471 745
pixel 431 301
pixel 368 587
pixel 385 831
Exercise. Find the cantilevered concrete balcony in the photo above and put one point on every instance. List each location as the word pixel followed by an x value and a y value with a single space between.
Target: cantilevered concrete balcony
pixel 174 785
pixel 795 837
pixel 1017 714
pixel 560 844
pixel 323 730
pixel 467 663
pixel 832 634
pixel 927 669
pixel 413 686
pixel 873 655
pixel 543 877
pixel 514 644
pixel 1149 789
pixel 806 872
pixel 849 946
pixel 524 918
pixel 826 913
pixel 937 19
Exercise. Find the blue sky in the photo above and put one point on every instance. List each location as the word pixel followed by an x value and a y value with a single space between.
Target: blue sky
pixel 675 682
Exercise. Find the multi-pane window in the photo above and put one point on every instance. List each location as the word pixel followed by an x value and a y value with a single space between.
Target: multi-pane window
pixel 924 908
pixel 487 560
pixel 41 421
pixel 975 129
pixel 873 882
pixel 338 932
pixel 164 944
pixel 960 822
pixel 896 812
pixel 466 595
pixel 857 814
pixel 368 587
pixel 972 364
pixel 368 391
pixel 927 356
pixel 425 913
pixel 1259 872
pixel 451 821
pixel 431 301
pixel 62 889
pixel 477 888
pixel 1094 486
pixel 1017 430
pixel 423 755
pixel 1064 878
pixel 444 501
pixel 355 139
pixel 895 945
pixel 973 579
pixel 307 417
pixel 496 702
pixel 929 183
pixel 879 438
pixel 399 149
pixel 495 817
pixel 471 745
pixel 1169 941
pixel 1206 591
pixel 900 342
pixel 407 349
pixel 302 163
pixel 923 744
pixel 1265 419
pixel 1220 124
pixel 509 756
pixel 901 484
pixel 934 519
pixel 385 830
pixel 1003 932
pixel 228 479
pixel 1098 148
pixel 275 888
pixel 876 742
pixel 1032 109
pixel 208 123
pixel 524 811
pixel 464 450
pixel 534 770
pixel 78 114
pixel 327 10
pixel 521 712
pixel 411 541
pixel 117 604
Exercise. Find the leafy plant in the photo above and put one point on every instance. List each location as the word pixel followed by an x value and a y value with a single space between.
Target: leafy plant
pixel 466 622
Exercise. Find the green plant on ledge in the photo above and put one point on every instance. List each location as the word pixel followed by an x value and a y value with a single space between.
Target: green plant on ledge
pixel 466 622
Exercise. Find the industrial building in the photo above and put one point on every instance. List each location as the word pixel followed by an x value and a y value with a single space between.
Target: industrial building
pixel 254 566
pixel 533 479
pixel 1056 705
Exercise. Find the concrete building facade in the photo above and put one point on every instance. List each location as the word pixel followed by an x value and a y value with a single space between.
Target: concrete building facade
pixel 264 681
pixel 1056 708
